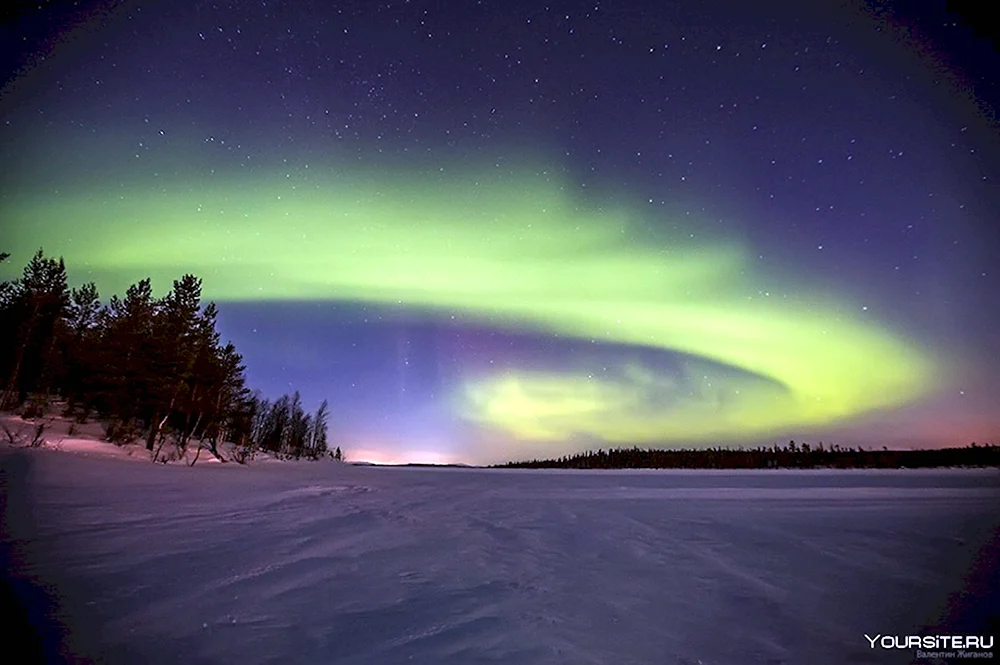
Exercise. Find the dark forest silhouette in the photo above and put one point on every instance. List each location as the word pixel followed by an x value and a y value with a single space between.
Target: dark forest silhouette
pixel 150 369
pixel 792 456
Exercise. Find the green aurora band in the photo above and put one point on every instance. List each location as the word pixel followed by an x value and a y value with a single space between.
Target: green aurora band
pixel 515 252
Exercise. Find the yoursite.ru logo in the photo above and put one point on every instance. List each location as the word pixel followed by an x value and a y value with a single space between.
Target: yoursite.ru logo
pixel 931 641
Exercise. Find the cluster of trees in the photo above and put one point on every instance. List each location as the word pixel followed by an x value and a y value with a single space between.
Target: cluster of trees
pixel 283 426
pixel 795 456
pixel 150 368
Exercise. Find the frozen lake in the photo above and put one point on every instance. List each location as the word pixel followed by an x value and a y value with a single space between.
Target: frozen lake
pixel 327 563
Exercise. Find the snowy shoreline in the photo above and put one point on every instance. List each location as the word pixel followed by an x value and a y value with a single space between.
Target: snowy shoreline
pixel 62 435
pixel 58 436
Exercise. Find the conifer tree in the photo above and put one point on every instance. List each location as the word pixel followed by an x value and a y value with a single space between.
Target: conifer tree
pixel 78 347
pixel 36 302
pixel 175 352
pixel 125 344
pixel 320 429
pixel 230 396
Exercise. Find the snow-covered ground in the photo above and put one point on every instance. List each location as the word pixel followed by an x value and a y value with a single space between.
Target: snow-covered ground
pixel 62 434
pixel 329 563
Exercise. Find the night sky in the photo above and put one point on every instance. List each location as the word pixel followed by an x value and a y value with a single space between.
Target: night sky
pixel 502 230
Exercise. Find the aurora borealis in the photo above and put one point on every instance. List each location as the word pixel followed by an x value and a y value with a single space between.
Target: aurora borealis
pixel 686 249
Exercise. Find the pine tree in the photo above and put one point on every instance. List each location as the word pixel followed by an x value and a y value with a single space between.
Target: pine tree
pixel 320 428
pixel 276 427
pixel 230 394
pixel 35 304
pixel 175 330
pixel 259 421
pixel 124 384
pixel 79 334
pixel 197 403
pixel 294 438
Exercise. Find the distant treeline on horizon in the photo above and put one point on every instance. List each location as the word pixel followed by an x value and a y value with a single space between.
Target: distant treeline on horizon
pixel 792 456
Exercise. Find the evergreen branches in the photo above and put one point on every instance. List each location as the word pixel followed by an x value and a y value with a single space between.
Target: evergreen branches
pixel 151 368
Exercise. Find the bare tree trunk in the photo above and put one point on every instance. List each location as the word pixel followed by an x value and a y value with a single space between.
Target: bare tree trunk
pixel 192 398
pixel 156 455
pixel 189 434
pixel 197 454
pixel 153 433
pixel 220 435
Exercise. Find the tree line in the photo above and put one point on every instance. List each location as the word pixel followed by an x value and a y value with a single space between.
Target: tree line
pixel 792 456
pixel 151 369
